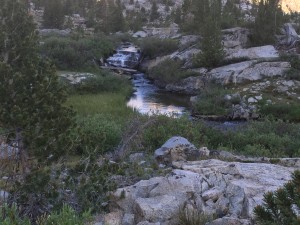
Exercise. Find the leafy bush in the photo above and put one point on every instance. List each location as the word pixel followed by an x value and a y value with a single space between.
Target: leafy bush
pixel 90 180
pixel 66 216
pixel 294 72
pixel 164 127
pixel 153 47
pixel 267 138
pixel 192 217
pixel 282 111
pixel 100 133
pixel 100 83
pixel 257 138
pixel 70 54
pixel 169 71
pixel 10 216
pixel 211 101
pixel 280 207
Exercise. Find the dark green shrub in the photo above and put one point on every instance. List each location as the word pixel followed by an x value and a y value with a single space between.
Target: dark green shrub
pixel 211 101
pixel 100 133
pixel 293 74
pixel 267 138
pixel 90 180
pixel 103 82
pixel 66 216
pixel 10 216
pixel 70 54
pixel 280 207
pixel 192 217
pixel 165 127
pixel 169 71
pixel 282 111
pixel 153 47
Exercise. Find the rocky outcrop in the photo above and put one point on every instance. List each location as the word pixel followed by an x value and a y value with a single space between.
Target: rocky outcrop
pixel 235 38
pixel 176 149
pixel 186 55
pixel 262 52
pixel 248 71
pixel 243 112
pixel 76 78
pixel 229 190
pixel 290 38
pixel 190 85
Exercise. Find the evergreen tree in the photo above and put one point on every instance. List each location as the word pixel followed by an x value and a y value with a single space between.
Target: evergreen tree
pixel 177 15
pixel 102 16
pixel 154 14
pixel 268 20
pixel 212 52
pixel 53 14
pixel 231 15
pixel 280 207
pixel 116 19
pixel 31 99
pixel 68 7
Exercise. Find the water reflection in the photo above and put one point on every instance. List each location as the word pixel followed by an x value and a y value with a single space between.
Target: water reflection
pixel 149 99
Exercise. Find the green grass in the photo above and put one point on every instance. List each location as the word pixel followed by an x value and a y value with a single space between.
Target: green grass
pixel 111 104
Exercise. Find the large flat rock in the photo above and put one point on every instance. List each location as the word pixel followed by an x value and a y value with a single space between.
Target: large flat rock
pixel 230 189
pixel 261 52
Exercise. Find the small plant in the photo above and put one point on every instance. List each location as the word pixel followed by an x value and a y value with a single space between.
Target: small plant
pixel 99 133
pixel 282 206
pixel 66 216
pixel 192 217
pixel 282 111
pixel 211 101
pixel 10 216
pixel 169 71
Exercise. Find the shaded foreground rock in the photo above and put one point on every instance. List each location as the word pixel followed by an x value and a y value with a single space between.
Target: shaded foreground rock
pixel 229 190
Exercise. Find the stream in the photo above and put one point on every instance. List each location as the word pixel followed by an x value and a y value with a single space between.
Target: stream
pixel 149 99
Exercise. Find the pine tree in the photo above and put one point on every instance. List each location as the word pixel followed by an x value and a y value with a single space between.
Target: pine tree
pixel 102 16
pixel 154 14
pixel 268 20
pixel 31 99
pixel 53 14
pixel 116 19
pixel 231 15
pixel 68 8
pixel 212 52
pixel 280 207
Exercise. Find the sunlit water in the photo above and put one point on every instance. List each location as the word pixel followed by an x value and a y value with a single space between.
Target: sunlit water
pixel 149 99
